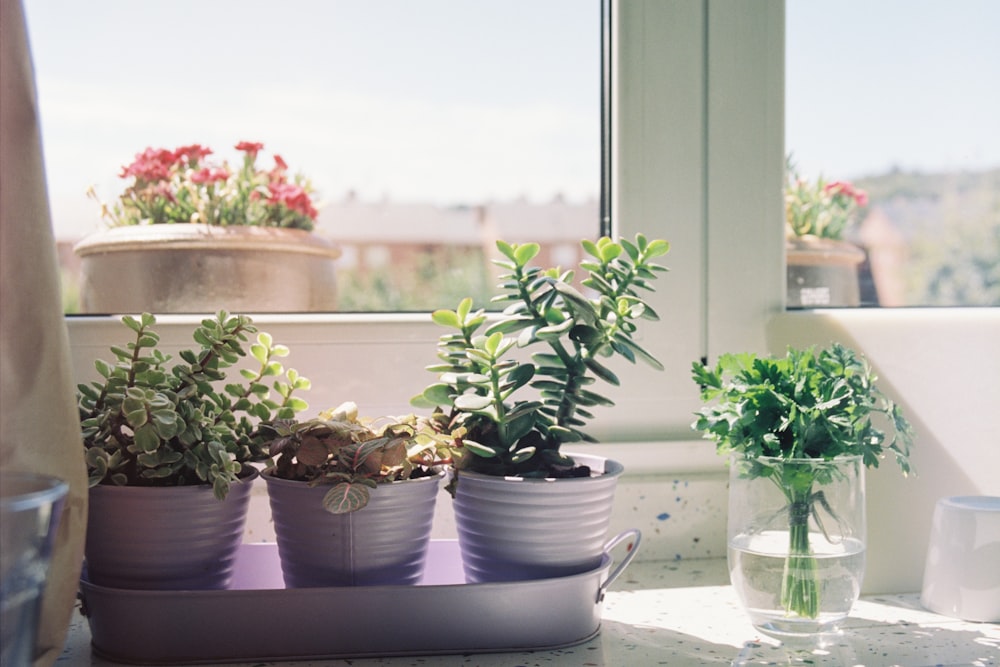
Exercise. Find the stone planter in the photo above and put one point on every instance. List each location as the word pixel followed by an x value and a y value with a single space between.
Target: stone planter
pixel 193 268
pixel 822 273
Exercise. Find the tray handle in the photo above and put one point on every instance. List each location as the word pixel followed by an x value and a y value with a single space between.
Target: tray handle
pixel 635 536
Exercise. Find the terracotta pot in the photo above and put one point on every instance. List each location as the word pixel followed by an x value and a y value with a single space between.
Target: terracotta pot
pixel 383 543
pixel 165 538
pixel 822 272
pixel 514 529
pixel 176 268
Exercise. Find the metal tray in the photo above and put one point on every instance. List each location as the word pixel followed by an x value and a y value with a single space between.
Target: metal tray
pixel 256 619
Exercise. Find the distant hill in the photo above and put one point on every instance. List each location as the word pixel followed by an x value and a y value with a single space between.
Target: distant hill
pixel 951 225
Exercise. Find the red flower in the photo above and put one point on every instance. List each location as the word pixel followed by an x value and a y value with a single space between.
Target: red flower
pixel 294 197
pixel 209 175
pixel 250 147
pixel 153 164
pixel 836 188
pixel 192 154
pixel 170 186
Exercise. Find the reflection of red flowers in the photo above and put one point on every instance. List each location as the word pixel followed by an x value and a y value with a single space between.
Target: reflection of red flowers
pixel 844 188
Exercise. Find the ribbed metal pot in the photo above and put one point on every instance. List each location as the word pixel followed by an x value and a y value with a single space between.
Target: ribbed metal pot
pixel 165 538
pixel 383 543
pixel 183 268
pixel 513 529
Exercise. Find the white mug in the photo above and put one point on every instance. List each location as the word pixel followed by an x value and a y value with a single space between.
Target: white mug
pixel 962 572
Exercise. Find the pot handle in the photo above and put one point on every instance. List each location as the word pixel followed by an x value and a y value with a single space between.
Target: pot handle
pixel 633 547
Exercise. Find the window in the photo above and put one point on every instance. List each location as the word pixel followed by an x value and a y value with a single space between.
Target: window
pixel 698 120
pixel 892 96
pixel 426 128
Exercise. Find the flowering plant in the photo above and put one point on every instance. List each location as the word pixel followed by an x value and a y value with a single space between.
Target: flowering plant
pixel 181 186
pixel 820 208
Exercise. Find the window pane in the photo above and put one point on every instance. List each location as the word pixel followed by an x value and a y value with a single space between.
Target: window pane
pixel 426 128
pixel 899 98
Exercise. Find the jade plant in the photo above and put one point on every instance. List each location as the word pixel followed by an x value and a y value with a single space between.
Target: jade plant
pixel 151 422
pixel 809 404
pixel 353 455
pixel 509 416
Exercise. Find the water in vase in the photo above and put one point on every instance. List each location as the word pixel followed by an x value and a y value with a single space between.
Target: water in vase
pixel 757 569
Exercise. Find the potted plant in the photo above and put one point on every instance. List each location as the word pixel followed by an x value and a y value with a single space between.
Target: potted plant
pixel 822 267
pixel 167 447
pixel 509 418
pixel 799 431
pixel 184 225
pixel 352 499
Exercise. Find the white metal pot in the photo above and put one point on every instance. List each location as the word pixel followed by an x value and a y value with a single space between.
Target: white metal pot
pixel 385 542
pixel 165 537
pixel 515 529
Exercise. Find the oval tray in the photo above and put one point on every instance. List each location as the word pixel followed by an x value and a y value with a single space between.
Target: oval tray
pixel 256 619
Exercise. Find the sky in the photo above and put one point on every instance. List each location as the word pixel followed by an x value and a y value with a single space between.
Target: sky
pixel 391 98
pixel 872 85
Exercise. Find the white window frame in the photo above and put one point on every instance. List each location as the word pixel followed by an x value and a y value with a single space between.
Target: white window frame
pixel 697 159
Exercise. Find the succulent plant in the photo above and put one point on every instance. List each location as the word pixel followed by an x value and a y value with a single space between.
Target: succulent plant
pixel 148 422
pixel 352 455
pixel 511 417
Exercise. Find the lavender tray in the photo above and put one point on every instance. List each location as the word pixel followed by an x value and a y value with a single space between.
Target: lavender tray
pixel 257 619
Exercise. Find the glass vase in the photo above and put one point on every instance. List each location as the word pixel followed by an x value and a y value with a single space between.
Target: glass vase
pixel 796 538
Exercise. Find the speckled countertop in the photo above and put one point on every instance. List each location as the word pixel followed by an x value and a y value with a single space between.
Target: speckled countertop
pixel 684 613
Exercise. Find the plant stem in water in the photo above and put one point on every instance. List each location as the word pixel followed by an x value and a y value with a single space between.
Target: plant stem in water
pixel 800 584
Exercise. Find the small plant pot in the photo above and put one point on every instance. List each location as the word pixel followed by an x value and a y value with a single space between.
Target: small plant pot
pixel 514 529
pixel 165 538
pixel 383 543
pixel 797 542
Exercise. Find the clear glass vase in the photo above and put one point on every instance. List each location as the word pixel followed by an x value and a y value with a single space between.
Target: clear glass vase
pixel 796 534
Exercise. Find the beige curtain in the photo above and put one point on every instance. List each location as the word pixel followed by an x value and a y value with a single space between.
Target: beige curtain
pixel 39 430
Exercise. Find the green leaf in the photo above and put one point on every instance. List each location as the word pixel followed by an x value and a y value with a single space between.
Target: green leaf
pixel 146 439
pixel 525 252
pixel 472 402
pixel 345 498
pixel 446 318
pixel 602 371
pixel 507 250
pixel 478 449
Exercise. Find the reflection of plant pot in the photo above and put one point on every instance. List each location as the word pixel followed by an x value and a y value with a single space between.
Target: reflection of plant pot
pixel 797 541
pixel 165 537
pixel 822 272
pixel 201 268
pixel 513 529
pixel 383 543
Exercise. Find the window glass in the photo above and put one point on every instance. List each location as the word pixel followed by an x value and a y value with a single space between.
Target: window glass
pixel 427 129
pixel 898 99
